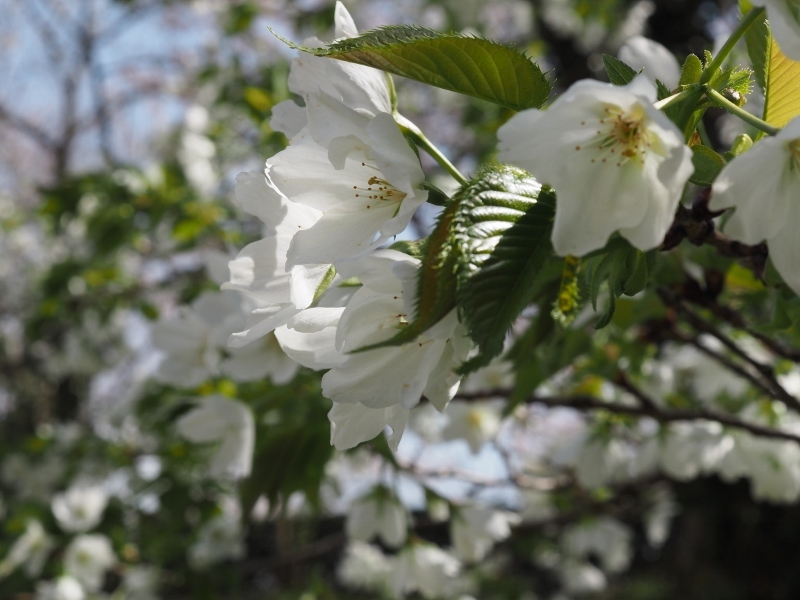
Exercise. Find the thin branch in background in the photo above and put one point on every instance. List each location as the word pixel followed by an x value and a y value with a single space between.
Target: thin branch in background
pixel 732 317
pixel 623 382
pixel 590 403
pixel 769 382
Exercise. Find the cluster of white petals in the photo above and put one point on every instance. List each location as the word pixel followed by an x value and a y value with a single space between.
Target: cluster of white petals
pixel 378 387
pixel 195 343
pixel 346 184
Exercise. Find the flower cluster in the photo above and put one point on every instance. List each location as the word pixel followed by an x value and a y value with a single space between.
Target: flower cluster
pixel 345 185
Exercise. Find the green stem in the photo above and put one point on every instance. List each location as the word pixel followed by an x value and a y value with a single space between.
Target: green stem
pixel 745 116
pixel 728 46
pixel 675 98
pixel 411 130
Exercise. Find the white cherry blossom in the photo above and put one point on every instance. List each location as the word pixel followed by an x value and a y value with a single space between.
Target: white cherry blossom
pixel 87 558
pixel 424 568
pixel 376 388
pixel 30 550
pixel 80 507
pixel 380 514
pixel 475 529
pixel 355 169
pixel 475 422
pixel 229 422
pixel 63 588
pixel 763 184
pixel 364 567
pixel 617 164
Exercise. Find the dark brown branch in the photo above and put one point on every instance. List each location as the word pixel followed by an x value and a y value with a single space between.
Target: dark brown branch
pixel 696 226
pixel 589 403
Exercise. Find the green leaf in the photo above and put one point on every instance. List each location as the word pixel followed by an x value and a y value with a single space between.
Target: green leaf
pixel 568 302
pixel 707 165
pixel 619 73
pixel 485 256
pixel 758 39
pixel 623 268
pixel 503 231
pixel 691 71
pixel 782 94
pixel 467 65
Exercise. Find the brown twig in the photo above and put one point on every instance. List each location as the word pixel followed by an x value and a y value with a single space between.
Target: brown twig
pixel 590 403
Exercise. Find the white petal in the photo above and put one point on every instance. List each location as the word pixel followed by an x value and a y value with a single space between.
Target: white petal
pixel 657 62
pixel 288 118
pixel 315 350
pixel 344 26
pixel 784 248
pixel 352 424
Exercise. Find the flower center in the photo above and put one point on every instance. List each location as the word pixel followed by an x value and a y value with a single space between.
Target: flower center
pixel 377 189
pixel 621 137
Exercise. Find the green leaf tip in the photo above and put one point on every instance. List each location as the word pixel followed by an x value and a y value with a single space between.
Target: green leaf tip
pixel 465 64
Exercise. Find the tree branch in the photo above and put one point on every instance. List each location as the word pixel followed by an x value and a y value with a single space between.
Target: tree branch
pixel 590 403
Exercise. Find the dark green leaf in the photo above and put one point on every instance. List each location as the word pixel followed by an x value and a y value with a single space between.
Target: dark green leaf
pixel 503 232
pixel 463 64
pixel 619 73
pixel 623 268
pixel 758 40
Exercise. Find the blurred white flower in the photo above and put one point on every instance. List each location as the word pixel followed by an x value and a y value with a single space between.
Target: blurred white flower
pixel 364 567
pixel 424 568
pixel 229 422
pixel 80 508
pixel 659 63
pixel 617 164
pixel 87 558
pixel 31 549
pixel 63 588
pixel 218 540
pixel 378 513
pixel 196 152
pixel 141 583
pixel 474 422
pixel 693 448
pixel 474 530
pixel 607 539
pixel 581 578
pixel 763 185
